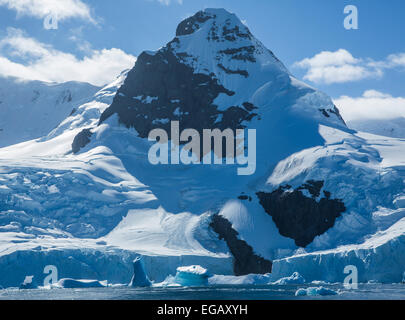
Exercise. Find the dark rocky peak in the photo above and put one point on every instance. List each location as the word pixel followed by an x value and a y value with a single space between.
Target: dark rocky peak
pixel 192 24
pixel 161 89
pixel 181 81
pixel 302 213
pixel 220 25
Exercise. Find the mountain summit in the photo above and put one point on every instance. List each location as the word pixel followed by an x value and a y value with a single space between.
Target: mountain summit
pixel 213 74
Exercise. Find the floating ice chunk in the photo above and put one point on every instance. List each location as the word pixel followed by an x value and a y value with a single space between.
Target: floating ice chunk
pixel 140 278
pixel 215 280
pixel 53 189
pixel 78 284
pixel 251 279
pixel 29 283
pixel 319 282
pixel 372 282
pixel 192 276
pixel 170 281
pixel 315 291
pixel 295 278
pixel 198 270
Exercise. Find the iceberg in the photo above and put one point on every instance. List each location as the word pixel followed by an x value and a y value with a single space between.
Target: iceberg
pixel 250 279
pixel 29 283
pixel 79 284
pixel 315 291
pixel 192 276
pixel 140 278
pixel 295 278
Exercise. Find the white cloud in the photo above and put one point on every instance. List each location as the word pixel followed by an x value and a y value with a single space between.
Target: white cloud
pixel 328 58
pixel 337 67
pixel 167 2
pixel 397 59
pixel 371 105
pixel 62 9
pixel 391 62
pixel 39 61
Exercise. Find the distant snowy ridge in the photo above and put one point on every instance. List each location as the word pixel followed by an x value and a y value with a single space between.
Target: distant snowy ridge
pixel 394 128
pixel 31 109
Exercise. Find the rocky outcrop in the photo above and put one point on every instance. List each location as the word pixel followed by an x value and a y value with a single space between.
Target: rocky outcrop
pixel 243 73
pixel 81 140
pixel 245 260
pixel 328 112
pixel 243 53
pixel 300 214
pixel 161 89
pixel 192 24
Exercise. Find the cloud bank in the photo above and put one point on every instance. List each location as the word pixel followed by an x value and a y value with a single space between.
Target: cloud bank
pixel 371 105
pixel 167 2
pixel 337 67
pixel 62 9
pixel 25 57
pixel 340 66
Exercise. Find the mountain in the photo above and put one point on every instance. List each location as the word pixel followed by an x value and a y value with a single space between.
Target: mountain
pixel 87 198
pixel 31 109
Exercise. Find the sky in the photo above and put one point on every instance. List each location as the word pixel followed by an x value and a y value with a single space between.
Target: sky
pixel 362 69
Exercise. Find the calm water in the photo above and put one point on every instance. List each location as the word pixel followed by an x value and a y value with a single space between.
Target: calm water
pixel 269 292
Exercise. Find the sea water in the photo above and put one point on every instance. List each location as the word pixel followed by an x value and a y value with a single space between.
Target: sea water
pixel 267 292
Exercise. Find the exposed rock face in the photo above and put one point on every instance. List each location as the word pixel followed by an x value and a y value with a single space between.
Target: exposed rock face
pixel 217 33
pixel 161 89
pixel 165 86
pixel 302 217
pixel 192 24
pixel 328 112
pixel 245 260
pixel 242 53
pixel 81 140
pixel 245 197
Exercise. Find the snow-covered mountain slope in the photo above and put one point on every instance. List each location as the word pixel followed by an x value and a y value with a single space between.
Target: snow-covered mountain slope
pixel 394 128
pixel 31 109
pixel 56 209
pixel 88 190
pixel 367 171
pixel 379 258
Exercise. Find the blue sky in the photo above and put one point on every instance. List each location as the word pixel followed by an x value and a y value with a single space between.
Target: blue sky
pixel 97 38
